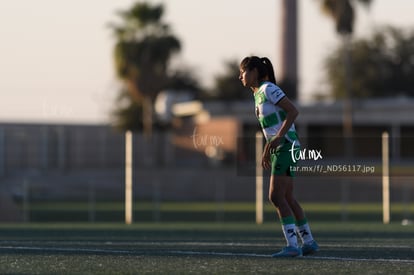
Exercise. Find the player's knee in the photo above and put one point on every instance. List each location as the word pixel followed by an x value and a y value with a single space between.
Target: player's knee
pixel 274 200
pixel 291 201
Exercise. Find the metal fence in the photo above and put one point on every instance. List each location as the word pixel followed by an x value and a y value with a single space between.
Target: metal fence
pixel 84 165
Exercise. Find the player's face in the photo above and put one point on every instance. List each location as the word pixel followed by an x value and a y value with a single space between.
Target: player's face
pixel 248 77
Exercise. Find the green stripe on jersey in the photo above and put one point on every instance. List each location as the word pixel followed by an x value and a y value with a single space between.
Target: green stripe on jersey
pixel 269 121
pixel 292 135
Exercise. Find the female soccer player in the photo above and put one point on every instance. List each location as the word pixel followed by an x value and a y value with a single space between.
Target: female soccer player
pixel 276 115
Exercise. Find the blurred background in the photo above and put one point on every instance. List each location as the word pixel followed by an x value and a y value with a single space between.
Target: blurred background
pixel 75 76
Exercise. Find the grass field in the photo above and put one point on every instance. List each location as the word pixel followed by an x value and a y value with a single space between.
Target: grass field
pixel 201 248
pixel 204 211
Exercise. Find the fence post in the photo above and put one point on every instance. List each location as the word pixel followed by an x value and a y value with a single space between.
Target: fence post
pixel 128 177
pixel 385 179
pixel 259 178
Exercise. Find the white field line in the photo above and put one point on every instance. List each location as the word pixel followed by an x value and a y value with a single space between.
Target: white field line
pixel 209 253
pixel 343 259
pixel 193 253
pixel 380 260
pixel 200 244
pixel 66 249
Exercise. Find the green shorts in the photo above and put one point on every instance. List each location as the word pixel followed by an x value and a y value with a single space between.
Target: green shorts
pixel 282 162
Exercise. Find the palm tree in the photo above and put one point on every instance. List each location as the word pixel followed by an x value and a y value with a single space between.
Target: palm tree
pixel 141 54
pixel 343 14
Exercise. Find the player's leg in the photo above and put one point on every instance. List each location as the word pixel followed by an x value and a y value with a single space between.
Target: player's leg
pixel 277 195
pixel 302 226
pixel 293 203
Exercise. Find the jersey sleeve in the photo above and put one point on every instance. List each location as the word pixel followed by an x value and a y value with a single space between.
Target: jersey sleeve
pixel 274 94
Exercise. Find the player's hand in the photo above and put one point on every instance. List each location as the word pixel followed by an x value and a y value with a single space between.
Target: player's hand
pixel 266 163
pixel 268 150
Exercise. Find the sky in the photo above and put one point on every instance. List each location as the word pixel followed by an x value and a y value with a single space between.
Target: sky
pixel 56 55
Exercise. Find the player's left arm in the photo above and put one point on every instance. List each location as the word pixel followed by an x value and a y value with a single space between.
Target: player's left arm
pixel 291 115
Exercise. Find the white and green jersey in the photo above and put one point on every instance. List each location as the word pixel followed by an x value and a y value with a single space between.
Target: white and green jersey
pixel 269 114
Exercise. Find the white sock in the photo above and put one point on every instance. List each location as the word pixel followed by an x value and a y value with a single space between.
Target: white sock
pixel 290 234
pixel 305 233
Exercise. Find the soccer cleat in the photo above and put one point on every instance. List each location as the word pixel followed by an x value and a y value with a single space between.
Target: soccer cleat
pixel 288 252
pixel 310 248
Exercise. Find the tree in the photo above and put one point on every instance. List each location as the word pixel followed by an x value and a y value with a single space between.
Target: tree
pixel 342 12
pixel 382 64
pixel 128 113
pixel 141 54
pixel 227 86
